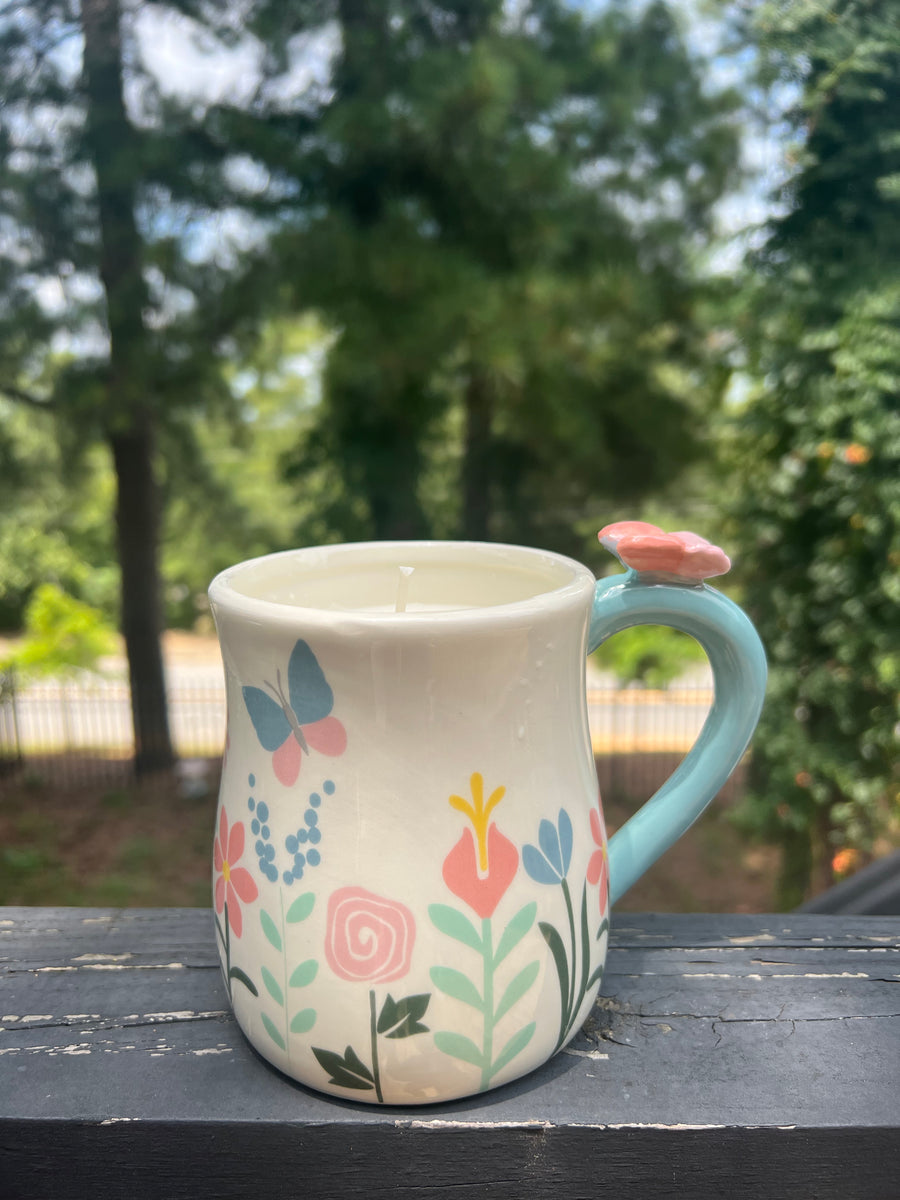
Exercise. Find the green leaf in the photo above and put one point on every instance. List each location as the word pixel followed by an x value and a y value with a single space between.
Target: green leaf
pixel 454 983
pixel 516 989
pixel 301 908
pixel 270 929
pixel 273 1032
pixel 272 986
pixel 242 977
pixel 558 950
pixel 348 1071
pixel 515 931
pixel 304 974
pixel 597 975
pixel 458 1046
pixel 585 951
pixel 514 1046
pixel 402 1018
pixel 604 925
pixel 455 925
pixel 303 1021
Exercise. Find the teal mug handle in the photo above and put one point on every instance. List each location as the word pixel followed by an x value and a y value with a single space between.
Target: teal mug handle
pixel 738 664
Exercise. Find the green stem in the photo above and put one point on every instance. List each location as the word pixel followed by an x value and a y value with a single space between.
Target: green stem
pixel 373 1033
pixel 487 1046
pixel 572 934
pixel 227 951
pixel 284 978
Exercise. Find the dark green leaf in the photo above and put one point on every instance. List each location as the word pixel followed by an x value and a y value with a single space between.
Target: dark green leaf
pixel 346 1071
pixel 558 950
pixel 402 1018
pixel 241 977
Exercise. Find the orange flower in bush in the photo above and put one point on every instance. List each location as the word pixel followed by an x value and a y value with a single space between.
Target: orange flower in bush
pixel 646 547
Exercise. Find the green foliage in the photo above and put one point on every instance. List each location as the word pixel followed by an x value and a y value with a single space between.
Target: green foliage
pixel 817 451
pixel 653 655
pixel 61 635
pixel 497 212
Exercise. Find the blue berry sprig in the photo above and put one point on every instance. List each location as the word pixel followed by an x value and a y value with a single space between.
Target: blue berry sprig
pixel 304 844
pixel 259 827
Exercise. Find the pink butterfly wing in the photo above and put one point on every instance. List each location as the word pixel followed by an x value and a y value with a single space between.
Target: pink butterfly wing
pixel 328 736
pixel 286 761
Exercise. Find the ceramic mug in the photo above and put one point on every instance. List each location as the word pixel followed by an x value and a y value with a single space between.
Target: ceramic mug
pixel 411 873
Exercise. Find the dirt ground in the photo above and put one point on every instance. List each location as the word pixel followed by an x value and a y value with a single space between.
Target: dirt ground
pixel 115 843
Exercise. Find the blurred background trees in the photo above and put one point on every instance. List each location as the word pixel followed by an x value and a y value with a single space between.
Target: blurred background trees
pixel 817 451
pixel 315 270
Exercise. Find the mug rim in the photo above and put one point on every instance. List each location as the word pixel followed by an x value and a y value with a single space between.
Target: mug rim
pixel 225 597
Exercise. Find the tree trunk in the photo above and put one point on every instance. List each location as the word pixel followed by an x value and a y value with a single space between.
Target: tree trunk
pixel 129 422
pixel 476 460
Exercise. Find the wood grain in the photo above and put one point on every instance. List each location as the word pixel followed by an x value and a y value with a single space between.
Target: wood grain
pixel 728 1056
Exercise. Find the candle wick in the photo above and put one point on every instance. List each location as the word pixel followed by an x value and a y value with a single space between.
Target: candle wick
pixel 403 589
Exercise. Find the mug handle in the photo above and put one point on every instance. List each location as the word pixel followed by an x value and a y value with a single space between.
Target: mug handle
pixel 738 664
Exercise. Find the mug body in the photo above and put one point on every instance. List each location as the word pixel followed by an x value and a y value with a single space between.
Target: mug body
pixel 410 864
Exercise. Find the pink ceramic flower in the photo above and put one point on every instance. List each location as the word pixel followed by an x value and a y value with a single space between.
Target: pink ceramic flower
pixel 646 547
pixel 368 938
pixel 234 884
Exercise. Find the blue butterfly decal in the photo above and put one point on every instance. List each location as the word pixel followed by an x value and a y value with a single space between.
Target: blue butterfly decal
pixel 289 726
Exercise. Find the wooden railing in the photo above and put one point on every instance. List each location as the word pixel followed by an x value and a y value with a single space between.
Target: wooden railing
pixel 728 1056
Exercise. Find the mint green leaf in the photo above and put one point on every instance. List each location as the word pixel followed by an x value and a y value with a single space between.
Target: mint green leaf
pixel 515 931
pixel 301 908
pixel 270 929
pixel 517 989
pixel 514 1046
pixel 304 974
pixel 454 924
pixel 303 1021
pixel 272 986
pixel 454 983
pixel 273 1032
pixel 458 1046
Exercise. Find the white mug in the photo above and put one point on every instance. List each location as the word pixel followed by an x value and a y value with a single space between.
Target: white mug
pixel 411 871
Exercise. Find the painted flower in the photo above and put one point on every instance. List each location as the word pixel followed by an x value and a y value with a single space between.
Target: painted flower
pixel 234 884
pixel 551 863
pixel 645 547
pixel 483 863
pixel 598 864
pixel 368 938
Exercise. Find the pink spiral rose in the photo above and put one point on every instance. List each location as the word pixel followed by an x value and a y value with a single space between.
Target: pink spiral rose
pixel 368 938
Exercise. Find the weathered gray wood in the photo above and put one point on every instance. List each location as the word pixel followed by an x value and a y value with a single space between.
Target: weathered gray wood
pixel 729 1055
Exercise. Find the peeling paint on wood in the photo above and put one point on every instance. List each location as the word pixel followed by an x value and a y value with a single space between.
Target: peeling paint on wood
pixel 729 1055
